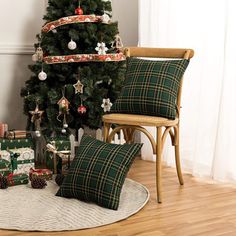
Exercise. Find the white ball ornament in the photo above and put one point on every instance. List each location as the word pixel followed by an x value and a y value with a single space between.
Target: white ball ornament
pixel 42 75
pixel 65 126
pixel 37 133
pixel 72 45
pixel 63 131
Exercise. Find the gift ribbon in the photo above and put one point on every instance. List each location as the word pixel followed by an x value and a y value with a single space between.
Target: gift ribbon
pixel 10 179
pixel 14 162
pixel 40 171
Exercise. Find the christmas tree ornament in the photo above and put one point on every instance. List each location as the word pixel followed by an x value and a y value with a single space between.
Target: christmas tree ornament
pixel 79 10
pixel 36 119
pixel 59 179
pixel 42 75
pixel 106 105
pixel 3 182
pixel 63 131
pixel 37 133
pixel 65 125
pixel 63 104
pixel 101 48
pixel 105 18
pixel 38 183
pixel 82 109
pixel 38 56
pixel 117 43
pixel 79 87
pixel 72 45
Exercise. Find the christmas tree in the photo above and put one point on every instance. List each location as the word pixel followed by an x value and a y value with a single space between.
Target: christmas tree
pixel 78 69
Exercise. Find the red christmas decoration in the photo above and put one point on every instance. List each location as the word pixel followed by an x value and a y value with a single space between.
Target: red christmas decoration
pixel 82 109
pixel 79 11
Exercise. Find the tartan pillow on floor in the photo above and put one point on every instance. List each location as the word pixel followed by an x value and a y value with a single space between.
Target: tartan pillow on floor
pixel 98 172
pixel 151 87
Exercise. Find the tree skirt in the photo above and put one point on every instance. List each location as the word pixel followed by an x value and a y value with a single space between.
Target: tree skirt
pixel 26 209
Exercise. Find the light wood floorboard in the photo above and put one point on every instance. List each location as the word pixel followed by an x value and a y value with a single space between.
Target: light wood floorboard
pixel 195 209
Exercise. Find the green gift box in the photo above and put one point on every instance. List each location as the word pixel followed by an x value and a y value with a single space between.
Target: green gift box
pixel 5 167
pixel 5 163
pixel 22 160
pixel 17 179
pixel 6 144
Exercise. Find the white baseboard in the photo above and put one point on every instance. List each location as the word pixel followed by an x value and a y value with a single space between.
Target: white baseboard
pixel 9 49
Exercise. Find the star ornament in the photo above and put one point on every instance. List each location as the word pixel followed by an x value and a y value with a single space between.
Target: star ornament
pixel 36 114
pixel 79 87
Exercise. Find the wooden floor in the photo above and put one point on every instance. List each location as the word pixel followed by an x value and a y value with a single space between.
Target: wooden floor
pixel 196 209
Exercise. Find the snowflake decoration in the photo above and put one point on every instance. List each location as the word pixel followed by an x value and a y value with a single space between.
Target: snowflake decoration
pixel 101 48
pixel 106 105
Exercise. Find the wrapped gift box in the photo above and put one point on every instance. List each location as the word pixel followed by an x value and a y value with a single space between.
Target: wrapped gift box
pixel 17 179
pixel 5 155
pixel 17 134
pixel 6 144
pixel 5 167
pixel 61 144
pixel 42 173
pixel 22 160
pixel 3 129
pixel 5 163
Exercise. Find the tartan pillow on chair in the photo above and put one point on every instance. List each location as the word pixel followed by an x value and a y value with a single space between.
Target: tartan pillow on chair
pixel 98 172
pixel 151 87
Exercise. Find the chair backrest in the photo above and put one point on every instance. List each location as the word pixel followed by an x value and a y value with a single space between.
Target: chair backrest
pixel 170 53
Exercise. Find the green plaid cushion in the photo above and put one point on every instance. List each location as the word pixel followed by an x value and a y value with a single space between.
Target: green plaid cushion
pixel 151 87
pixel 98 172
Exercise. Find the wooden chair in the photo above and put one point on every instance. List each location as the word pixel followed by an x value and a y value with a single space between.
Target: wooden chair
pixel 129 123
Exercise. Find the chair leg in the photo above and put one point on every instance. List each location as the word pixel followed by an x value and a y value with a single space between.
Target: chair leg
pixel 177 156
pixel 158 163
pixel 106 128
pixel 129 134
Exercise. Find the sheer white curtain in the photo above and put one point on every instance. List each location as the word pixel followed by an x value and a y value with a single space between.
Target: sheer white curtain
pixel 208 115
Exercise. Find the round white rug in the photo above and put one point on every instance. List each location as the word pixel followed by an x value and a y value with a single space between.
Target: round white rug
pixel 26 209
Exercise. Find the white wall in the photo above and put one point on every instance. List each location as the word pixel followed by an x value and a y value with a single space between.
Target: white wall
pixel 126 13
pixel 18 32
pixel 16 47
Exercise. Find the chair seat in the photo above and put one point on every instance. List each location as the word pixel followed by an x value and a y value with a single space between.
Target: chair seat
pixel 139 120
